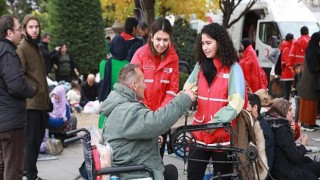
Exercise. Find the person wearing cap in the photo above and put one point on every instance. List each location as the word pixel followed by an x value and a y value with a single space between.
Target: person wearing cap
pixel 289 160
pixel 34 70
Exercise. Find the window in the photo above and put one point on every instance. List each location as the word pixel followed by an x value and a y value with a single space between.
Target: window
pixel 266 31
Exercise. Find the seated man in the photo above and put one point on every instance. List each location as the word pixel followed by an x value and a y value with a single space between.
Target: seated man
pixel 254 108
pixel 89 90
pixel 133 130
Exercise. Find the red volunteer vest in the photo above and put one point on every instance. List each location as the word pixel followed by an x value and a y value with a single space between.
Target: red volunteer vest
pixel 210 100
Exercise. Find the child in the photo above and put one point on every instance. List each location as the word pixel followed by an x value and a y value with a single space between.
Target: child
pixel 74 96
pixel 297 77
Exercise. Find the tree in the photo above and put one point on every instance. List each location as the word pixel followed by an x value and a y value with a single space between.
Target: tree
pixel 116 10
pixel 228 6
pixel 79 24
pixel 3 7
pixel 183 38
pixel 148 9
pixel 144 10
pixel 20 8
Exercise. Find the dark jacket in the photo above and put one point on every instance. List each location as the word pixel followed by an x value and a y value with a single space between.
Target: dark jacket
pixel 56 59
pixel 308 87
pixel 13 88
pixel 132 44
pixel 88 93
pixel 269 140
pixel 288 159
pixel 47 55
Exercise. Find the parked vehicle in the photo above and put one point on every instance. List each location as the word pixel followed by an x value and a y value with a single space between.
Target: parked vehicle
pixel 266 24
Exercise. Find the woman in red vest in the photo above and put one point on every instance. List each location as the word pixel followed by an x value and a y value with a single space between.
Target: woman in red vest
pixel 221 96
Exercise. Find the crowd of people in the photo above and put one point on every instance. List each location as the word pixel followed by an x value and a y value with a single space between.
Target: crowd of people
pixel 140 100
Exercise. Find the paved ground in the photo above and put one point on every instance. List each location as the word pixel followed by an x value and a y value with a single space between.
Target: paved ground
pixel 67 164
pixel 66 167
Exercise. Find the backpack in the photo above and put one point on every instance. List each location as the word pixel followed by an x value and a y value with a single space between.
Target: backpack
pixel 277 68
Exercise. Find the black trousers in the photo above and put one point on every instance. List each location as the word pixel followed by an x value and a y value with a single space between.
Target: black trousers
pixel 197 169
pixel 34 132
pixel 287 88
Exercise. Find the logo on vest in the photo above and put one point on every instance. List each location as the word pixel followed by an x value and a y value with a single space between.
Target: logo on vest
pixel 168 70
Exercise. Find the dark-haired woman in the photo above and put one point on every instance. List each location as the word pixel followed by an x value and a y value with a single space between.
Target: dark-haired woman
pixel 64 65
pixel 221 96
pixel 159 63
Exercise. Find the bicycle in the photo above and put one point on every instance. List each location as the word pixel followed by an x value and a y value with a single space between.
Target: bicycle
pixel 246 161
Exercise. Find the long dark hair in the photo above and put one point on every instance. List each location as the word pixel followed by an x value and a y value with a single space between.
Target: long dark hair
pixel 226 51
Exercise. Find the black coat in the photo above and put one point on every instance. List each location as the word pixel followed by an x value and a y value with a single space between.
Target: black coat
pixel 47 55
pixel 269 140
pixel 13 88
pixel 288 159
pixel 132 46
pixel 88 93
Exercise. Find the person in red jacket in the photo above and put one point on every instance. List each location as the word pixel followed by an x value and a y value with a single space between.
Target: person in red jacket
pixel 286 77
pixel 254 75
pixel 159 63
pixel 298 49
pixel 221 97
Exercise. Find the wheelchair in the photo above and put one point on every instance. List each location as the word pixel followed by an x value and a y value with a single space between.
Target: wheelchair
pixel 245 157
pixel 90 168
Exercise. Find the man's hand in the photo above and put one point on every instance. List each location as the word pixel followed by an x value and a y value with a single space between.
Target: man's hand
pixel 190 93
pixel 57 48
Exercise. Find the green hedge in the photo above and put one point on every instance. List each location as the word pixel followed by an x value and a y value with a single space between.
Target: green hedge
pixel 80 25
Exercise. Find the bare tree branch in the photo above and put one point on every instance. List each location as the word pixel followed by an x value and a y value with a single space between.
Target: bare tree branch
pixel 229 6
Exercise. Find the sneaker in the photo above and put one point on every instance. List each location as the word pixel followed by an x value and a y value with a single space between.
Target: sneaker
pixel 316 126
pixel 307 128
pixel 78 109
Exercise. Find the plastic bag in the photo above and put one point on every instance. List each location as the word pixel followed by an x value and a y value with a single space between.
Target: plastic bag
pixel 92 107
pixel 104 150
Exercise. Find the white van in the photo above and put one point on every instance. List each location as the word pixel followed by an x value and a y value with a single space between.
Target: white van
pixel 266 23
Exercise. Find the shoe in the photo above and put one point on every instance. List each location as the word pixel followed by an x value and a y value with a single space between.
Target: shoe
pixel 316 126
pixel 307 128
pixel 78 109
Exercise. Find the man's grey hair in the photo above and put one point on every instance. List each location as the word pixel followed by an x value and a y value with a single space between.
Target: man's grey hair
pixel 127 74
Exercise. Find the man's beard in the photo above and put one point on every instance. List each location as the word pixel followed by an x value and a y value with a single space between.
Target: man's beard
pixel 34 42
